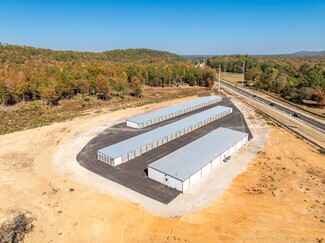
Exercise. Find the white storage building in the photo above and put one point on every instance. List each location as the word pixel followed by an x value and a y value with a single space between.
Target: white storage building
pixel 182 168
pixel 128 149
pixel 170 112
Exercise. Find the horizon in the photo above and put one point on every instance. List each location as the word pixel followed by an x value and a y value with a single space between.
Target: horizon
pixel 180 54
pixel 181 27
pixel 261 54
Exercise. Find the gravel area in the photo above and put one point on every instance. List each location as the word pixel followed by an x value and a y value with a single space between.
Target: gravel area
pixel 197 197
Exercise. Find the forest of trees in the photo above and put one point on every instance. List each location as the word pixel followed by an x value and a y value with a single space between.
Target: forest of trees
pixel 293 79
pixel 21 54
pixel 28 73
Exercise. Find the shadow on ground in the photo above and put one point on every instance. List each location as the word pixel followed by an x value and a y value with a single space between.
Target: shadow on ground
pixel 132 174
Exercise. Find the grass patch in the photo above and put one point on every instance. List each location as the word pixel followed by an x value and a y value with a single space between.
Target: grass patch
pixel 235 78
pixel 35 114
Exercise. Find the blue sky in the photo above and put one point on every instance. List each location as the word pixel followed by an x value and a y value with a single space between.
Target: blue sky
pixel 183 27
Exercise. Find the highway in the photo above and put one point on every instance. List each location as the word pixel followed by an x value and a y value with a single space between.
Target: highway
pixel 307 120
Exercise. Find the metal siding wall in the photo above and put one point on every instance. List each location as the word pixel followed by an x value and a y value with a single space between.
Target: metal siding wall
pixel 232 149
pixel 238 145
pixel 216 162
pixel 186 185
pixel 194 178
pixel 177 113
pixel 132 124
pixel 163 140
pixel 137 152
pixel 206 169
pixel 174 183
pixel 124 158
pixel 143 149
pixel 224 155
pixel 156 175
pixel 130 155
pixel 154 144
pixel 149 147
pixel 117 161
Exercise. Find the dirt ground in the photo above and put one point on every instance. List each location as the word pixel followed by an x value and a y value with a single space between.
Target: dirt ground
pixel 131 174
pixel 279 197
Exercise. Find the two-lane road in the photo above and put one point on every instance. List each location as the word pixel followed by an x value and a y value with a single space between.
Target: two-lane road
pixel 307 120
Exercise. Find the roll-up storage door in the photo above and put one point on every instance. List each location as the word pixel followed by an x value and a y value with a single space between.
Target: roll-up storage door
pixel 137 152
pixel 149 146
pixel 154 144
pixel 124 158
pixel 143 149
pixel 131 155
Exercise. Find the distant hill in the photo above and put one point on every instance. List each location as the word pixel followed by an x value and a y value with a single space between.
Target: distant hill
pixel 142 55
pixel 308 53
pixel 21 54
pixel 198 56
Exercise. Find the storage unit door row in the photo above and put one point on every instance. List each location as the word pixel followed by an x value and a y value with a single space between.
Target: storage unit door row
pixel 177 113
pixel 134 153
pixel 177 184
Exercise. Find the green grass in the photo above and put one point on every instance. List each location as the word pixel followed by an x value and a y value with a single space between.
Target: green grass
pixel 35 114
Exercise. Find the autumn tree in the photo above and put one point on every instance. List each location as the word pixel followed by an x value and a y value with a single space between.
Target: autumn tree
pixel 319 95
pixel 209 77
pixel 21 85
pixel 102 86
pixel 136 87
pixel 254 74
pixel 4 93
pixel 84 87
pixel 49 95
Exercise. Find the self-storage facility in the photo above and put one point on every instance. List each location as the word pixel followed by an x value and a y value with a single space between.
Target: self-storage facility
pixel 130 148
pixel 170 112
pixel 182 168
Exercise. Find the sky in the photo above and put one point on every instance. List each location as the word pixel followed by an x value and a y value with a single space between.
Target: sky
pixel 218 27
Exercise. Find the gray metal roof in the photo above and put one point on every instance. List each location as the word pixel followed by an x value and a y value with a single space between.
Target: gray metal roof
pixel 189 159
pixel 172 109
pixel 131 144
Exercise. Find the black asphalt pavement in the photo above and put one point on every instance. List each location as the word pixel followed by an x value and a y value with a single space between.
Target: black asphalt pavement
pixel 318 125
pixel 132 174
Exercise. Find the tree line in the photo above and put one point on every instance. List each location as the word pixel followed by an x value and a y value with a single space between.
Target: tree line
pixel 21 54
pixel 52 82
pixel 28 73
pixel 305 81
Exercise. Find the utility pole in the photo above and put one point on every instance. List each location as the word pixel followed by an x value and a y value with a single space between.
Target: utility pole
pixel 243 79
pixel 219 80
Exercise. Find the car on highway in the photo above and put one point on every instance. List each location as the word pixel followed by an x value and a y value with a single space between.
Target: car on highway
pixel 254 96
pixel 272 104
pixel 295 114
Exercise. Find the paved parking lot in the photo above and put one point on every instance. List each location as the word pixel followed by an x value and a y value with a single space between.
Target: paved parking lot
pixel 132 174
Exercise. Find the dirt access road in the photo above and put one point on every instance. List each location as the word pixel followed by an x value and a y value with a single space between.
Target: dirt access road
pixel 279 197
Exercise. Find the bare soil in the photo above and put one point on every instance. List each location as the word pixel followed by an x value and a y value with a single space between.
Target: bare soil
pixel 132 173
pixel 279 197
